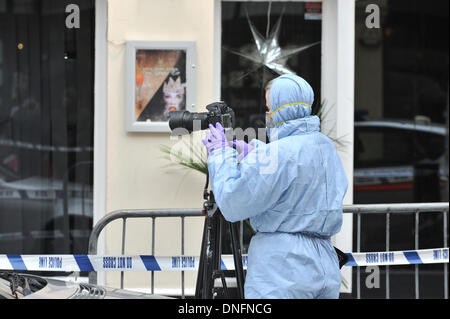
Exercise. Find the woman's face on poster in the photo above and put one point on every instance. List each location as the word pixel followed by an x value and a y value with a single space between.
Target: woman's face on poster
pixel 173 100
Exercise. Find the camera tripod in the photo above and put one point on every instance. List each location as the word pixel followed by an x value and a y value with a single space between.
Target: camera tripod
pixel 211 250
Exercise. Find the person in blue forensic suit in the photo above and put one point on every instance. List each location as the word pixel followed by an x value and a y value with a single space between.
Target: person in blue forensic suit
pixel 291 189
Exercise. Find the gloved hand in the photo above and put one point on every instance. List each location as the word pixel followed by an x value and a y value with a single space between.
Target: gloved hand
pixel 216 138
pixel 242 148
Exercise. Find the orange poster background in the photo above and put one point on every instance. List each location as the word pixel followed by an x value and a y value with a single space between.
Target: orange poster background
pixel 152 68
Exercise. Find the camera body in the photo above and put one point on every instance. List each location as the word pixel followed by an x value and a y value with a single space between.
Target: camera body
pixel 194 121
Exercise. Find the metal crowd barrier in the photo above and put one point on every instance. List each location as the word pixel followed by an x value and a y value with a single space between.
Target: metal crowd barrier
pixel 139 213
pixel 416 208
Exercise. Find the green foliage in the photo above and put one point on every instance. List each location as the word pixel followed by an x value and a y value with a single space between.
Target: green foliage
pixel 195 159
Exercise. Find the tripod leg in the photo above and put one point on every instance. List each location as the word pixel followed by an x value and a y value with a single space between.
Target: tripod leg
pixel 211 255
pixel 201 264
pixel 216 254
pixel 207 270
pixel 237 257
pixel 224 283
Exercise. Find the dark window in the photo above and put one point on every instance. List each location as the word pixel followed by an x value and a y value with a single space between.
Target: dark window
pixel 244 76
pixel 383 147
pixel 46 127
pixel 296 27
pixel 401 133
pixel 401 77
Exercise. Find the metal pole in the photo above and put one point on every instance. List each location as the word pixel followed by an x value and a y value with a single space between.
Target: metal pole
pixel 445 264
pixel 124 227
pixel 241 235
pixel 416 246
pixel 182 254
pixel 66 223
pixel 199 285
pixel 395 208
pixel 153 254
pixel 237 258
pixel 387 249
pixel 358 248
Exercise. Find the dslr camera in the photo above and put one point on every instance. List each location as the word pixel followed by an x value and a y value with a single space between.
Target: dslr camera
pixel 194 121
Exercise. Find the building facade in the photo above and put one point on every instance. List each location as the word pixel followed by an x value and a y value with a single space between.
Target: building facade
pixel 69 89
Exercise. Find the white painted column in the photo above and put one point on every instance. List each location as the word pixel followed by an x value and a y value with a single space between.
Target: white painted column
pixel 100 97
pixel 338 37
pixel 217 49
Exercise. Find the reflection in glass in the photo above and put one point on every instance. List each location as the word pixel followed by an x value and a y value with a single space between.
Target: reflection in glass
pixel 260 41
pixel 401 132
pixel 46 128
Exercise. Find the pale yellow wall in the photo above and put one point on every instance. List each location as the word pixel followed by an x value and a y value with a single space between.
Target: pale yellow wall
pixel 136 173
pixel 136 176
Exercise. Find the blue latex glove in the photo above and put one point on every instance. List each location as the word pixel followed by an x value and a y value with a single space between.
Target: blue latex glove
pixel 216 138
pixel 242 148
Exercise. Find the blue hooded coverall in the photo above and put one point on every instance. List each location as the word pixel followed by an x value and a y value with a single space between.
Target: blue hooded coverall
pixel 292 190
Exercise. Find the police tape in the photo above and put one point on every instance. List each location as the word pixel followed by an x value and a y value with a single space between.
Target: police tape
pixel 69 263
pixel 405 257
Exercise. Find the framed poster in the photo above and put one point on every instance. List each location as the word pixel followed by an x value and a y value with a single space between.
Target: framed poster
pixel 160 77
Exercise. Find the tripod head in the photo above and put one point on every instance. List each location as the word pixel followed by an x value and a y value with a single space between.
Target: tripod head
pixel 209 206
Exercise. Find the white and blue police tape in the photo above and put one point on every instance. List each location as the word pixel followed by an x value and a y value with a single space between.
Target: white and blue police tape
pixel 404 257
pixel 98 262
pixel 68 263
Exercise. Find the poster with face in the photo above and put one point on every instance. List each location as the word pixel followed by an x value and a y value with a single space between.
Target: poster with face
pixel 160 77
pixel 160 84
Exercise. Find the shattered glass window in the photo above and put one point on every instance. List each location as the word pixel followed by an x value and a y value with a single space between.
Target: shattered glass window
pixel 260 41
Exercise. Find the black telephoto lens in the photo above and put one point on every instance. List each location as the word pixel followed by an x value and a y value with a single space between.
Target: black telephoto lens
pixel 187 120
